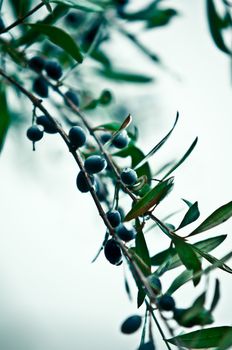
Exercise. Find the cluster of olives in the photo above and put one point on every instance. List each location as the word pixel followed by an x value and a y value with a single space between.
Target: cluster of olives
pixel 43 124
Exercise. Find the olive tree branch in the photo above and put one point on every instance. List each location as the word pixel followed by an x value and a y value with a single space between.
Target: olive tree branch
pixel 21 19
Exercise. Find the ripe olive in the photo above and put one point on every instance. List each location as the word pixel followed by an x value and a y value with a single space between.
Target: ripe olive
pixel 131 324
pixel 129 176
pixel 113 252
pixel 82 183
pixel 94 164
pixel 34 133
pixel 48 125
pixel 53 69
pixel 40 87
pixel 166 302
pixel 125 234
pixel 114 218
pixel 37 63
pixel 77 136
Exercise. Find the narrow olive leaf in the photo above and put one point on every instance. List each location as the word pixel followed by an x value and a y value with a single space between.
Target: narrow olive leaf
pixel 189 204
pixel 206 246
pixel 120 76
pixel 141 247
pixel 204 338
pixel 216 296
pixel 151 198
pixel 127 288
pixel 185 156
pixel 83 5
pixel 159 144
pixel 114 126
pixel 215 27
pixel 143 335
pixel 20 7
pixel 184 277
pixel 216 218
pixel 125 123
pixel 4 115
pixel 213 260
pixel 226 342
pixel 140 297
pixel 191 216
pixel 187 256
pixel 48 6
pixel 60 38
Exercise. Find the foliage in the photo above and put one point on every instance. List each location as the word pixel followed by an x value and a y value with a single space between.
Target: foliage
pixel 75 31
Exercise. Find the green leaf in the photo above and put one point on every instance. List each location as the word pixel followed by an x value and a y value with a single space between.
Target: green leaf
pixel 184 277
pixel 120 76
pixel 205 245
pixel 83 5
pixel 215 27
pixel 189 151
pixel 191 216
pixel 141 248
pixel 4 115
pixel 226 342
pixel 216 218
pixel 216 296
pixel 213 260
pixel 48 6
pixel 60 38
pixel 140 297
pixel 151 198
pixel 204 338
pixel 21 7
pixel 114 126
pixel 187 256
pixel 159 144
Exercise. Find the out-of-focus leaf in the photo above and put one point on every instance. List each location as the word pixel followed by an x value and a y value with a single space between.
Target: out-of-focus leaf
pixel 159 144
pixel 216 296
pixel 136 155
pixel 141 247
pixel 181 279
pixel 60 38
pixel 191 216
pixel 226 342
pixel 83 5
pixel 151 198
pixel 204 338
pixel 162 18
pixel 21 7
pixel 48 6
pixel 215 27
pixel 189 204
pixel 101 57
pixel 128 77
pixel 140 297
pixel 187 256
pixel 31 35
pixel 216 218
pixel 185 156
pixel 17 56
pixel 4 115
pixel 127 288
pixel 206 245
pixel 213 260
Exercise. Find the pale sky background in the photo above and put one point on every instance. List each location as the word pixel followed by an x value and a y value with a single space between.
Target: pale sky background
pixel 51 296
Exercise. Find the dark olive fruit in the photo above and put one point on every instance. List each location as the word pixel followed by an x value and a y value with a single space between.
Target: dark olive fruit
pixel 37 63
pixel 73 97
pixel 77 136
pixel 40 87
pixel 131 324
pixel 95 164
pixel 129 176
pixel 2 24
pixel 155 283
pixel 47 124
pixel 106 97
pixel 147 346
pixel 113 252
pixel 105 137
pixel 121 140
pixel 34 133
pixel 73 19
pixel 125 234
pixel 166 302
pixel 82 183
pixel 114 218
pixel 53 69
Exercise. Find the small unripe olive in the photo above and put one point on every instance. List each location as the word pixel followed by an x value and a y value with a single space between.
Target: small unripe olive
pixel 77 136
pixel 125 234
pixel 121 140
pixel 113 252
pixel 105 137
pixel 166 302
pixel 131 324
pixel 37 63
pixel 73 97
pixel 82 183
pixel 129 176
pixel 94 164
pixel 34 133
pixel 155 283
pixel 40 87
pixel 114 218
pixel 53 69
pixel 48 125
